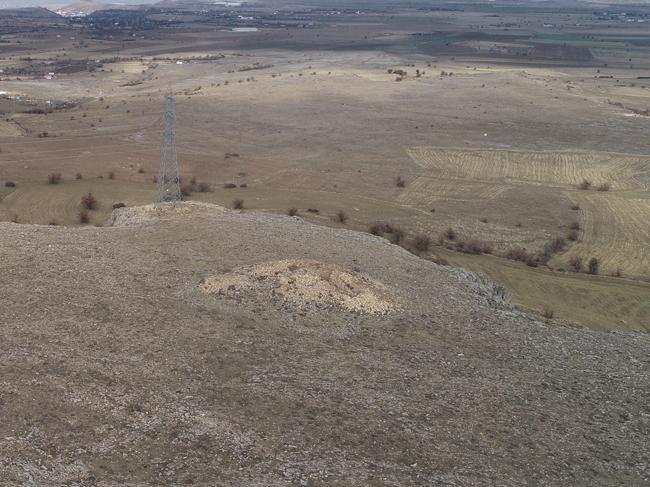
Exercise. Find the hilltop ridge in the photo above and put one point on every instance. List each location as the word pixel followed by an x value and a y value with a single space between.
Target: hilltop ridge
pixel 118 366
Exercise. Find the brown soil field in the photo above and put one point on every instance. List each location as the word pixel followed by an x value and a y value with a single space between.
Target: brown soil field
pixel 315 120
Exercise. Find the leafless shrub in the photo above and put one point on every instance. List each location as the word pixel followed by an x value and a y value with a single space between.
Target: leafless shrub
pixel 229 185
pixel 313 210
pixel 111 175
pixel 391 232
pixel 574 225
pixel 422 243
pixel 118 205
pixel 604 187
pixel 585 184
pixel 575 207
pixel 547 313
pixel 483 220
pixel 141 170
pixel 557 244
pixel 10 184
pixel 440 261
pixel 517 253
pixel 576 263
pixel 14 219
pixel 396 235
pixel 186 189
pixel 78 176
pixel 617 273
pixel 341 217
pixel 292 211
pixel 53 223
pixel 238 204
pixel 54 178
pixel 593 265
pixel 378 228
pixel 243 185
pixel 449 234
pixel 203 188
pixel 399 182
pixel 84 218
pixel 89 202
pixel 573 235
pixel 473 246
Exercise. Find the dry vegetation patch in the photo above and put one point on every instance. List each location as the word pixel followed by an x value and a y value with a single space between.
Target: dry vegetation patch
pixel 307 282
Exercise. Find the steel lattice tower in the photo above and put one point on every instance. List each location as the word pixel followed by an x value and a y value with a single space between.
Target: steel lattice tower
pixel 169 180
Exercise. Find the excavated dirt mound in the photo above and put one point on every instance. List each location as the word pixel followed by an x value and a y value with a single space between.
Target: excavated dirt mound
pixel 124 217
pixel 306 282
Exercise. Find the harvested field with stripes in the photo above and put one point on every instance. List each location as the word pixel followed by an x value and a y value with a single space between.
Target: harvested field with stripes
pixel 621 171
pixel 616 230
pixel 501 184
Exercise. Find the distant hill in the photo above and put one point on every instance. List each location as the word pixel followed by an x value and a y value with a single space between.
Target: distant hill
pixel 30 12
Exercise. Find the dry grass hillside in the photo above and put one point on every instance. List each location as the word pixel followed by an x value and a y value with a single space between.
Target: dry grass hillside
pixel 194 345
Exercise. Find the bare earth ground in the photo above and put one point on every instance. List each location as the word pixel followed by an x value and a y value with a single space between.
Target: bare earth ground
pixel 117 367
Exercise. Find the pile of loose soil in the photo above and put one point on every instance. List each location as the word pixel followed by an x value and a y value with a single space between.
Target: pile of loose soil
pixel 124 217
pixel 307 282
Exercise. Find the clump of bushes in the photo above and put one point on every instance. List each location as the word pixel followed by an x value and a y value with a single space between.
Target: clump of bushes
pixel 54 178
pixel 10 184
pixel 78 176
pixel 391 232
pixel 292 211
pixel 473 246
pixel 203 188
pixel 118 205
pixel 593 266
pixel 399 182
pixel 575 207
pixel 522 255
pixel 422 243
pixel 238 204
pixel 229 185
pixel 556 245
pixel 89 202
pixel 313 210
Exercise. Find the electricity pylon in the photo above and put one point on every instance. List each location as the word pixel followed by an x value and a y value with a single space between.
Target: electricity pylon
pixel 169 188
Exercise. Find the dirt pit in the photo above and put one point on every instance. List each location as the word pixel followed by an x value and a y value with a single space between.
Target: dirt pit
pixel 307 282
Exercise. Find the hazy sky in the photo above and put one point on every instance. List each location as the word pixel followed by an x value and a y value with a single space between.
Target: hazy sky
pixel 57 3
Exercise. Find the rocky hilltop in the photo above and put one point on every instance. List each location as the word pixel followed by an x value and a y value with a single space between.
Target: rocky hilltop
pixel 197 345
